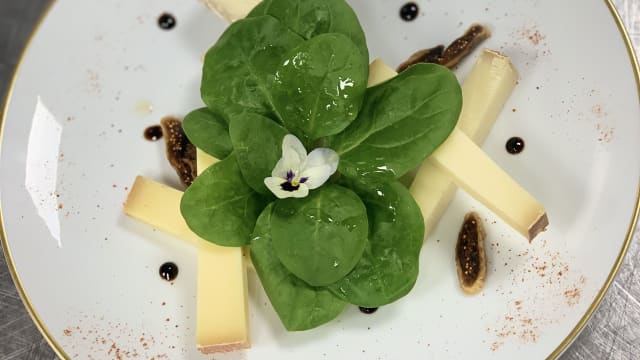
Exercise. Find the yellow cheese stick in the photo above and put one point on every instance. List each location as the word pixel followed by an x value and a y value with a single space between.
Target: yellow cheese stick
pixel 204 160
pixel 483 179
pixel 222 303
pixel 222 299
pixel 215 318
pixel 485 92
pixel 379 72
pixel 159 206
pixel 232 10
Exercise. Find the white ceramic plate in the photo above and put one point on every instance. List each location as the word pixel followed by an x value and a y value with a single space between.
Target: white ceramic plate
pixel 98 73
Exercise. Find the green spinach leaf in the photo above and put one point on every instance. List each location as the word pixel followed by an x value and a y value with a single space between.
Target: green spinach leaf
pixel 319 88
pixel 299 306
pixel 220 207
pixel 402 121
pixel 257 142
pixel 239 69
pixel 312 18
pixel 388 268
pixel 209 132
pixel 320 238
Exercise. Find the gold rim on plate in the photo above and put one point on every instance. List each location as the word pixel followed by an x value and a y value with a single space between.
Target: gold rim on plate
pixel 557 352
pixel 3 235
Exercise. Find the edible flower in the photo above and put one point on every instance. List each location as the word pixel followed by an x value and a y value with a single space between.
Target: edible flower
pixel 298 172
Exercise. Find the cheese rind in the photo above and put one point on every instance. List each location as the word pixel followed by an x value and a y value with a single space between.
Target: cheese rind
pixel 232 10
pixel 222 302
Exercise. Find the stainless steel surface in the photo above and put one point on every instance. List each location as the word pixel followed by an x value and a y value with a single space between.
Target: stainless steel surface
pixel 612 333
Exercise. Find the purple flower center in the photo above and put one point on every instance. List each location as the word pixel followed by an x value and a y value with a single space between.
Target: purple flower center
pixel 292 185
pixel 287 186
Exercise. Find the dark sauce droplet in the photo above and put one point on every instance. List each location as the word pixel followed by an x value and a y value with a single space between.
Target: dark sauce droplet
pixel 515 145
pixel 409 11
pixel 367 311
pixel 166 21
pixel 169 271
pixel 153 133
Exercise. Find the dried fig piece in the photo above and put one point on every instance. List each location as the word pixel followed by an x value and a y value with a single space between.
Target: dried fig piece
pixel 180 151
pixel 471 262
pixel 452 54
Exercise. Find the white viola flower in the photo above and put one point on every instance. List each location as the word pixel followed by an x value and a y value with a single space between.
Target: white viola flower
pixel 296 172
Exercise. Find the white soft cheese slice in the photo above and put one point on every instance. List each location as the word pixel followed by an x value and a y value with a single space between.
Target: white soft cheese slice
pixel 222 303
pixel 485 91
pixel 232 10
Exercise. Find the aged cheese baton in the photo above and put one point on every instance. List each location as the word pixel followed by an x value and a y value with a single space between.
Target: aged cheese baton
pixel 232 10
pixel 204 160
pixel 471 169
pixel 159 206
pixel 379 72
pixel 222 303
pixel 215 320
pixel 485 92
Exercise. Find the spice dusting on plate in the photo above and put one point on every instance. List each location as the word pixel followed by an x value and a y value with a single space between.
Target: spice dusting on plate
pixel 574 292
pixel 525 316
pixel 110 340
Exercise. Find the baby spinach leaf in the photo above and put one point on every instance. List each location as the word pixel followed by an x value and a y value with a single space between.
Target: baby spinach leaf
pixel 220 207
pixel 388 268
pixel 312 18
pixel 209 132
pixel 402 121
pixel 320 238
pixel 299 306
pixel 240 67
pixel 257 143
pixel 319 88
